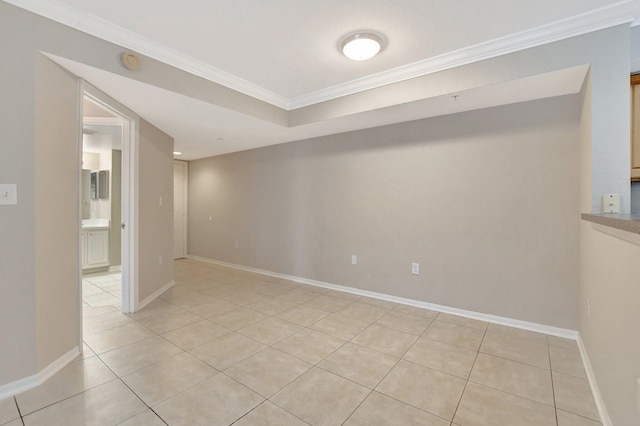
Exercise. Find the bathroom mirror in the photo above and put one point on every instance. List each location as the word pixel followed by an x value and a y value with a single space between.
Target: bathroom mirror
pixel 86 194
pixel 103 184
pixel 94 185
pixel 100 185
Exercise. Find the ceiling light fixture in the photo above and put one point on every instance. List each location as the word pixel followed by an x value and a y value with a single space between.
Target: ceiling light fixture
pixel 361 46
pixel 177 153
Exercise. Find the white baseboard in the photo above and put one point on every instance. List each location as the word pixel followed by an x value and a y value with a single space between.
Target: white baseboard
pixel 18 386
pixel 510 322
pixel 595 390
pixel 45 374
pixel 155 294
pixel 115 268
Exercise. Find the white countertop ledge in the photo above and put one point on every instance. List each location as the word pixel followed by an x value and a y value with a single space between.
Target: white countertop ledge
pixel 95 224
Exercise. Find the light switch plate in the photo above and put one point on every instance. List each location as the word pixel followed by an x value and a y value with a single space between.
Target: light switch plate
pixel 415 268
pixel 8 194
pixel 611 203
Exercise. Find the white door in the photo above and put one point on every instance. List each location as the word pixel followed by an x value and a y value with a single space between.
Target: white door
pixel 179 209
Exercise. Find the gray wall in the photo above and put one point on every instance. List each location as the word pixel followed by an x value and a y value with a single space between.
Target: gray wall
pixel 155 221
pixel 486 202
pixel 17 245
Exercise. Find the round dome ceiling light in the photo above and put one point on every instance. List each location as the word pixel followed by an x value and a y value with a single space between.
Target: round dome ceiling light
pixel 361 46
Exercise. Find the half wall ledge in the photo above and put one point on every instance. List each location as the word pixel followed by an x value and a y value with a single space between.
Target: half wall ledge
pixel 623 222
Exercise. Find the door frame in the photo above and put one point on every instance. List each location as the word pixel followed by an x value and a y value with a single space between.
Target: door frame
pixel 130 183
pixel 185 168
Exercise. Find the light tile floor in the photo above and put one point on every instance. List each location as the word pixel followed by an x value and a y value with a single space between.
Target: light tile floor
pixel 229 347
pixel 102 289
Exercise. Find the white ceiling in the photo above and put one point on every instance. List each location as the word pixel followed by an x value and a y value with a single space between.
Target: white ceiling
pixel 289 47
pixel 285 52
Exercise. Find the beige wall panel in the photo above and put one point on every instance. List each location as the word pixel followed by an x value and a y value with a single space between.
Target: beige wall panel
pixel 610 279
pixel 57 204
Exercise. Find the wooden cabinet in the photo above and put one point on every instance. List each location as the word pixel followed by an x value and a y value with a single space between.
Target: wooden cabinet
pixel 95 248
pixel 635 127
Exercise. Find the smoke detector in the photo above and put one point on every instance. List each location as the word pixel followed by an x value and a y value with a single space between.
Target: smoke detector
pixel 130 61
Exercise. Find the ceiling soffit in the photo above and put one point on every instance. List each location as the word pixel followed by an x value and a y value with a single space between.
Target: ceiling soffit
pixel 615 14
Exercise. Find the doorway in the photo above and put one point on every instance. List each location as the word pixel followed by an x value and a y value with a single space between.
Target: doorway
pixel 102 136
pixel 108 199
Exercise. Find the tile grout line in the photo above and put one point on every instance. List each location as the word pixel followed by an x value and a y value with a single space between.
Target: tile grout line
pixel 401 358
pixel 466 383
pixel 21 417
pixel 553 388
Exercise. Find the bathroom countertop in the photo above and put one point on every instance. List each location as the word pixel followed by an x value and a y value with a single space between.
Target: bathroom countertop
pixel 95 224
pixel 95 228
pixel 624 222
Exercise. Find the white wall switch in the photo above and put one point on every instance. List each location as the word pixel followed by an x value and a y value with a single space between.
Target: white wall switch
pixel 354 259
pixel 8 194
pixel 611 203
pixel 160 200
pixel 415 268
pixel 236 245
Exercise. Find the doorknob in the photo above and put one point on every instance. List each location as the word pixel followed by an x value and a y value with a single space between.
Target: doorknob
pixel 122 225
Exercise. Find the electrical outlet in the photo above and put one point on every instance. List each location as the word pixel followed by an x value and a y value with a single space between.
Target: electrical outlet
pixel 611 203
pixel 160 260
pixel 588 308
pixel 415 268
pixel 354 259
pixel 160 200
pixel 236 245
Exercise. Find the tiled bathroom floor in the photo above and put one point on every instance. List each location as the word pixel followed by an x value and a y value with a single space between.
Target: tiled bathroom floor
pixel 229 347
pixel 102 289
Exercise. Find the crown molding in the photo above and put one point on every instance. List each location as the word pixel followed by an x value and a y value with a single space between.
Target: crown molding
pixel 106 30
pixel 622 12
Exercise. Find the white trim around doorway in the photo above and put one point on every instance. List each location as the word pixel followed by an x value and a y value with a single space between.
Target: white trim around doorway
pixel 130 183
